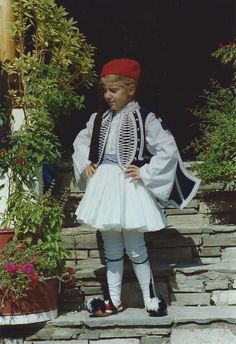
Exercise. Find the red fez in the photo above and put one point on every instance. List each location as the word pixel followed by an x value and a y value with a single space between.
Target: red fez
pixel 123 67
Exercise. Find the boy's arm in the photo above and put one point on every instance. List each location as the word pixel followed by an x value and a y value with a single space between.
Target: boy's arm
pixel 159 174
pixel 81 152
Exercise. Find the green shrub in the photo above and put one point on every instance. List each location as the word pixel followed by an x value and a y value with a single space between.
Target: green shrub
pixel 216 146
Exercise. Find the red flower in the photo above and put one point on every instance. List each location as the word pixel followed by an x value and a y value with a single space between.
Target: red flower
pixel 73 280
pixel 12 268
pixel 27 268
pixel 34 279
pixel 71 271
pixel 4 152
pixel 20 161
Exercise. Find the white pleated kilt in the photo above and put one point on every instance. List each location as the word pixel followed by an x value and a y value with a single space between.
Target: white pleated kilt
pixel 113 201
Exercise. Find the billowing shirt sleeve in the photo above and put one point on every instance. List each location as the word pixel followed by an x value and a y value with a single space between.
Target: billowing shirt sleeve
pixel 81 152
pixel 159 174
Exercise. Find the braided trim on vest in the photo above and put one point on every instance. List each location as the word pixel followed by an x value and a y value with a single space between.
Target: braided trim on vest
pixel 127 140
pixel 140 136
pixel 105 126
pixel 130 139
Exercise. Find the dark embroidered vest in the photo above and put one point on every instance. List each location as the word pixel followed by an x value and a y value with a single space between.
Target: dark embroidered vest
pixel 95 142
pixel 185 185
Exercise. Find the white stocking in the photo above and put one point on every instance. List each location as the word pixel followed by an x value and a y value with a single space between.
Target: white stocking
pixel 114 252
pixel 144 274
pixel 114 280
pixel 137 252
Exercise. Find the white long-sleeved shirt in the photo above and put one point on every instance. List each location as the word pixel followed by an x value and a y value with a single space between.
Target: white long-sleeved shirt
pixel 158 175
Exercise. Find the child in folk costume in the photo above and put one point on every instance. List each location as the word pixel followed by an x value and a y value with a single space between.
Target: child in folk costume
pixel 123 187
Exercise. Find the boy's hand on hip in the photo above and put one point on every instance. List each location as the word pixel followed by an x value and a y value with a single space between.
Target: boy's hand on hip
pixel 133 172
pixel 90 170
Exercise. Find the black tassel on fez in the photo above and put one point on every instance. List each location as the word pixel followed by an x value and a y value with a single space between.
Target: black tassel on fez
pixel 156 307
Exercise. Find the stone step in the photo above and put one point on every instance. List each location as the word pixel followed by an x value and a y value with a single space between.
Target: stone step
pixel 179 285
pixel 201 336
pixel 192 265
pixel 133 326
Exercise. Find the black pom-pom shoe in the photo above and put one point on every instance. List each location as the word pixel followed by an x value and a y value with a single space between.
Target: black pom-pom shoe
pixel 100 308
pixel 156 307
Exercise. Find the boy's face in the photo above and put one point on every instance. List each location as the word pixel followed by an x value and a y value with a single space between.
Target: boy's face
pixel 117 95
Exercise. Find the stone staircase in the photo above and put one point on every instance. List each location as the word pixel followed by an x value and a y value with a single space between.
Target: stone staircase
pixel 182 325
pixel 194 265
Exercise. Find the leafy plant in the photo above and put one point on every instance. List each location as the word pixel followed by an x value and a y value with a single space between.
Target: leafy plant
pixel 45 79
pixel 23 267
pixel 216 148
pixel 53 62
pixel 35 252
pixel 38 220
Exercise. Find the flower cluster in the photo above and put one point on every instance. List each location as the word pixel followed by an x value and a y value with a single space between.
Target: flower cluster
pixel 15 154
pixel 69 276
pixel 25 268
pixel 18 159
pixel 21 268
pixel 4 152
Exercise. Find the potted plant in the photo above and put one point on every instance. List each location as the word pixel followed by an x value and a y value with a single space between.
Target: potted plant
pixel 27 294
pixel 33 263
pixel 44 80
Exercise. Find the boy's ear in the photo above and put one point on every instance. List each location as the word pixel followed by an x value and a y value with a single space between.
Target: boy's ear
pixel 132 90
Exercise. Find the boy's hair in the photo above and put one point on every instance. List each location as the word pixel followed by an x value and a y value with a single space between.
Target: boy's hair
pixel 125 80
pixel 121 80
